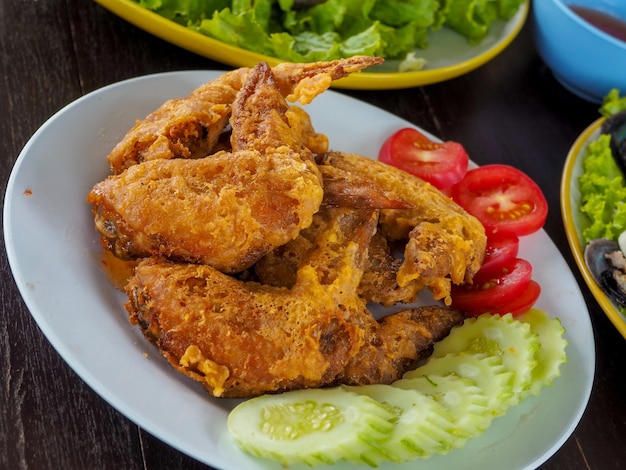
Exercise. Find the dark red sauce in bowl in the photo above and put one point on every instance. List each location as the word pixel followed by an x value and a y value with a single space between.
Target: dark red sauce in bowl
pixel 603 21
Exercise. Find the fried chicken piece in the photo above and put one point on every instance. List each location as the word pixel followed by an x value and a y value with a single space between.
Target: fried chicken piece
pixel 242 339
pixel 279 267
pixel 444 244
pixel 345 189
pixel 190 127
pixel 227 210
pixel 379 283
pixel 397 343
pixel 300 121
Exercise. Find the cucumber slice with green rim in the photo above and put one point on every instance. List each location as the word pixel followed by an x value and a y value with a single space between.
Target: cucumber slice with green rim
pixel 461 397
pixel 487 372
pixel 482 367
pixel 497 335
pixel 423 427
pixel 311 426
pixel 552 353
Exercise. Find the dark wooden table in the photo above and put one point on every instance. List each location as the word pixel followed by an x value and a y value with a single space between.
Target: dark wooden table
pixel 52 52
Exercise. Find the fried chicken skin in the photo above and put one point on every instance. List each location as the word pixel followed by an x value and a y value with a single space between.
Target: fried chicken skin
pixel 226 210
pixel 444 244
pixel 190 127
pixel 242 339
pixel 397 343
pixel 261 249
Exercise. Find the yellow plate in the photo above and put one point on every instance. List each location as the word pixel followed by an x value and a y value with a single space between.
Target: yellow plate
pixel 449 55
pixel 575 221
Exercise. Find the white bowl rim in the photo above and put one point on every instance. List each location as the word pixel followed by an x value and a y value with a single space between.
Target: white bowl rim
pixel 586 25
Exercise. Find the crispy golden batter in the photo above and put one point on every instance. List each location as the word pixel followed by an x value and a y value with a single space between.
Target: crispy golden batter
pixel 190 127
pixel 226 210
pixel 313 239
pixel 397 343
pixel 345 189
pixel 445 244
pixel 379 283
pixel 242 339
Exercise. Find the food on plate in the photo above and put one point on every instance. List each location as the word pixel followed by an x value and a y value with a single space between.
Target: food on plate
pixel 378 283
pixel 228 210
pixel 505 200
pixel 283 315
pixel 290 425
pixel 510 205
pixel 502 198
pixel 301 31
pixel 602 185
pixel 603 192
pixel 443 244
pixel 615 127
pixel 606 262
pixel 191 127
pixel 442 164
pixel 440 244
pixel 480 370
pixel 509 290
pixel 501 248
pixel 243 339
pixel 208 234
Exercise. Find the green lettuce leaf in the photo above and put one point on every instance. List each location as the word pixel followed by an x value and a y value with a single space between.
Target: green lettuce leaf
pixel 306 46
pixel 471 18
pixel 603 193
pixel 420 13
pixel 335 28
pixel 613 103
pixel 227 27
pixel 185 12
pixel 508 8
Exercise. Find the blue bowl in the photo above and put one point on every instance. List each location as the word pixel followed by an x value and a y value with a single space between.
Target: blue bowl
pixel 583 58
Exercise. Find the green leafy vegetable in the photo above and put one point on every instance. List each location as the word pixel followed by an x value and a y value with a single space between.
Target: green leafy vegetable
pixel 613 103
pixel 602 185
pixel 334 28
pixel 472 377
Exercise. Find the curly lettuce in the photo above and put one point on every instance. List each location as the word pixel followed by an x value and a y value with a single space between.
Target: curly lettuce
pixel 334 28
pixel 602 185
pixel 603 193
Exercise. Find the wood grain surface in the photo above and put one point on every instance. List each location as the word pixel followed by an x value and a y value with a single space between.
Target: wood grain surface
pixel 510 110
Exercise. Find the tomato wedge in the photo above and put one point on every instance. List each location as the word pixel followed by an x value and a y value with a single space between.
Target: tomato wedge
pixel 517 306
pixel 503 198
pixel 502 247
pixel 504 287
pixel 442 164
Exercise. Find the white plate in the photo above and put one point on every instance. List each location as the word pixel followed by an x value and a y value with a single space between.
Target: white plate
pixel 54 253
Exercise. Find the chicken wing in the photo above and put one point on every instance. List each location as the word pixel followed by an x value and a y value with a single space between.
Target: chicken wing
pixel 444 244
pixel 226 210
pixel 241 339
pixel 190 127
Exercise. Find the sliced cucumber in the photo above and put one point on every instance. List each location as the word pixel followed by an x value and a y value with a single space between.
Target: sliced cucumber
pixel 495 335
pixel 461 397
pixel 423 427
pixel 481 368
pixel 312 426
pixel 487 372
pixel 552 353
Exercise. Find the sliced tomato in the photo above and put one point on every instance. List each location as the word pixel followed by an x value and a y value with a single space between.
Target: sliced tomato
pixel 521 304
pixel 442 164
pixel 502 247
pixel 504 287
pixel 503 198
